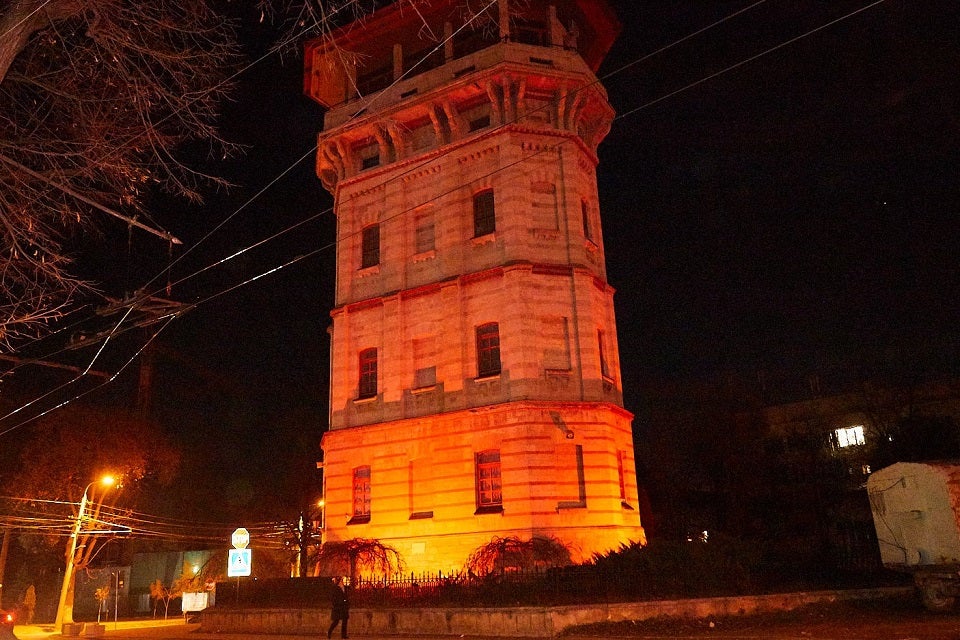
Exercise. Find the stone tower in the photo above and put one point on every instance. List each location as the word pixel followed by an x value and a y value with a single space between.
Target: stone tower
pixel 475 377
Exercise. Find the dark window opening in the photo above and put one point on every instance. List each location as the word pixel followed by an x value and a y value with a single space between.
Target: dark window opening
pixel 529 32
pixel 604 367
pixel 484 215
pixel 488 350
pixel 368 374
pixel 480 123
pixel 370 250
pixel 585 219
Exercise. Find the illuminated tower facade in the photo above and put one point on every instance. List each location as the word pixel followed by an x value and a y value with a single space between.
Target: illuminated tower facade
pixel 475 382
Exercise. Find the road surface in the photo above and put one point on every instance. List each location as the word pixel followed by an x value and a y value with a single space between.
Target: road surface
pixel 896 619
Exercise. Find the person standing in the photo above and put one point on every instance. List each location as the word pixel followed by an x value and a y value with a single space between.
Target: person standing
pixel 340 608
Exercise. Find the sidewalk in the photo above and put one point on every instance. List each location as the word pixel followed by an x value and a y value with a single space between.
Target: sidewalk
pixel 174 627
pixel 177 629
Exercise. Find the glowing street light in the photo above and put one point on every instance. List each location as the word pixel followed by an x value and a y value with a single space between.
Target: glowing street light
pixel 65 613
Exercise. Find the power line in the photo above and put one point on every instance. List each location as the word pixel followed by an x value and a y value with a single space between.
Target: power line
pixel 618 117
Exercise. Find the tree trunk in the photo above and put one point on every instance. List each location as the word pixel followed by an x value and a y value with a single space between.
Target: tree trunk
pixel 22 18
pixel 4 548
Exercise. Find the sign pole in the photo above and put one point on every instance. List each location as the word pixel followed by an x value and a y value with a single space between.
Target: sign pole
pixel 240 558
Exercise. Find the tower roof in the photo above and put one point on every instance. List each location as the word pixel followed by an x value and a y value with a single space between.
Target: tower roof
pixel 417 25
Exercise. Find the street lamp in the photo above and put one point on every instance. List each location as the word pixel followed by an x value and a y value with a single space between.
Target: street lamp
pixel 65 613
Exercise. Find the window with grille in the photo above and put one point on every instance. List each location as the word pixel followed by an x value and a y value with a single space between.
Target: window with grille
pixel 368 374
pixel 370 251
pixel 488 350
pixel 484 218
pixel 361 495
pixel 489 492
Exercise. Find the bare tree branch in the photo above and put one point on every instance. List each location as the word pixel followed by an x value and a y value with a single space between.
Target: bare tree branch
pixel 96 96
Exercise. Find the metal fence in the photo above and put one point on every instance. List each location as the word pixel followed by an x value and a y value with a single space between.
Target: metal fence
pixel 570 584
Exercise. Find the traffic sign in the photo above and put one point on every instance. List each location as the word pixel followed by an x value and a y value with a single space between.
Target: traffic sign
pixel 240 538
pixel 239 562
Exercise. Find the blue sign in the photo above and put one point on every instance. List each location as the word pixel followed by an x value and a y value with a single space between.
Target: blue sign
pixel 238 563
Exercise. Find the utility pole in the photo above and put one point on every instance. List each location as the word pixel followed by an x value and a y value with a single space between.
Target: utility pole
pixel 65 605
pixel 4 548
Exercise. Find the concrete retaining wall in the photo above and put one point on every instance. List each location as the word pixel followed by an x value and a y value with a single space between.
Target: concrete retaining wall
pixel 512 621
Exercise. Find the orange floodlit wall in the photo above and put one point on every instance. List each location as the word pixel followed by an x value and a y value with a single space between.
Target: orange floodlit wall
pixel 475 383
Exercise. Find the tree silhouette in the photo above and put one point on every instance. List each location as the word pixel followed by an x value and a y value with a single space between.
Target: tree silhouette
pixel 95 97
pixel 358 555
pixel 511 553
pixel 73 447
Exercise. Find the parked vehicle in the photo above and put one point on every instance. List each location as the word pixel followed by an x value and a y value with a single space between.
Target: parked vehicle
pixel 916 512
pixel 7 620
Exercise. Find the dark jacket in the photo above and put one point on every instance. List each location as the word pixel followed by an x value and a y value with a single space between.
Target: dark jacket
pixel 339 601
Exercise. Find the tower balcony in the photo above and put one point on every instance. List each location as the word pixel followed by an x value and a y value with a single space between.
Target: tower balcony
pixel 349 69
pixel 377 94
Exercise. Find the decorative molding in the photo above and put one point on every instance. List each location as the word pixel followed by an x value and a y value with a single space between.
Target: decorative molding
pixel 421 174
pixel 477 155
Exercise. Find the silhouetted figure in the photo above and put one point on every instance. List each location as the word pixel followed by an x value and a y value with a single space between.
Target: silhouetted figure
pixel 340 608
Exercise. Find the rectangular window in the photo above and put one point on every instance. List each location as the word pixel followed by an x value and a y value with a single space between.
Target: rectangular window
pixel 623 485
pixel 361 495
pixel 426 236
pixel 370 162
pixel 488 350
pixel 604 367
pixel 368 374
pixel 489 493
pixel 585 218
pixel 370 251
pixel 850 436
pixel 484 216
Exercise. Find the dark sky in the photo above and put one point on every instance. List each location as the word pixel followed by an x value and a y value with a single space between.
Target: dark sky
pixel 797 208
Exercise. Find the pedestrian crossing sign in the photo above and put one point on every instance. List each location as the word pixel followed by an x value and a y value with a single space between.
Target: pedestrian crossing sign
pixel 238 563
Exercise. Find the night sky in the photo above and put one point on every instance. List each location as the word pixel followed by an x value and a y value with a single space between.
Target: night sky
pixel 800 206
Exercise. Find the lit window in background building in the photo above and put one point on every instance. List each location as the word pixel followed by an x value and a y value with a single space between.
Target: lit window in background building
pixel 850 436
